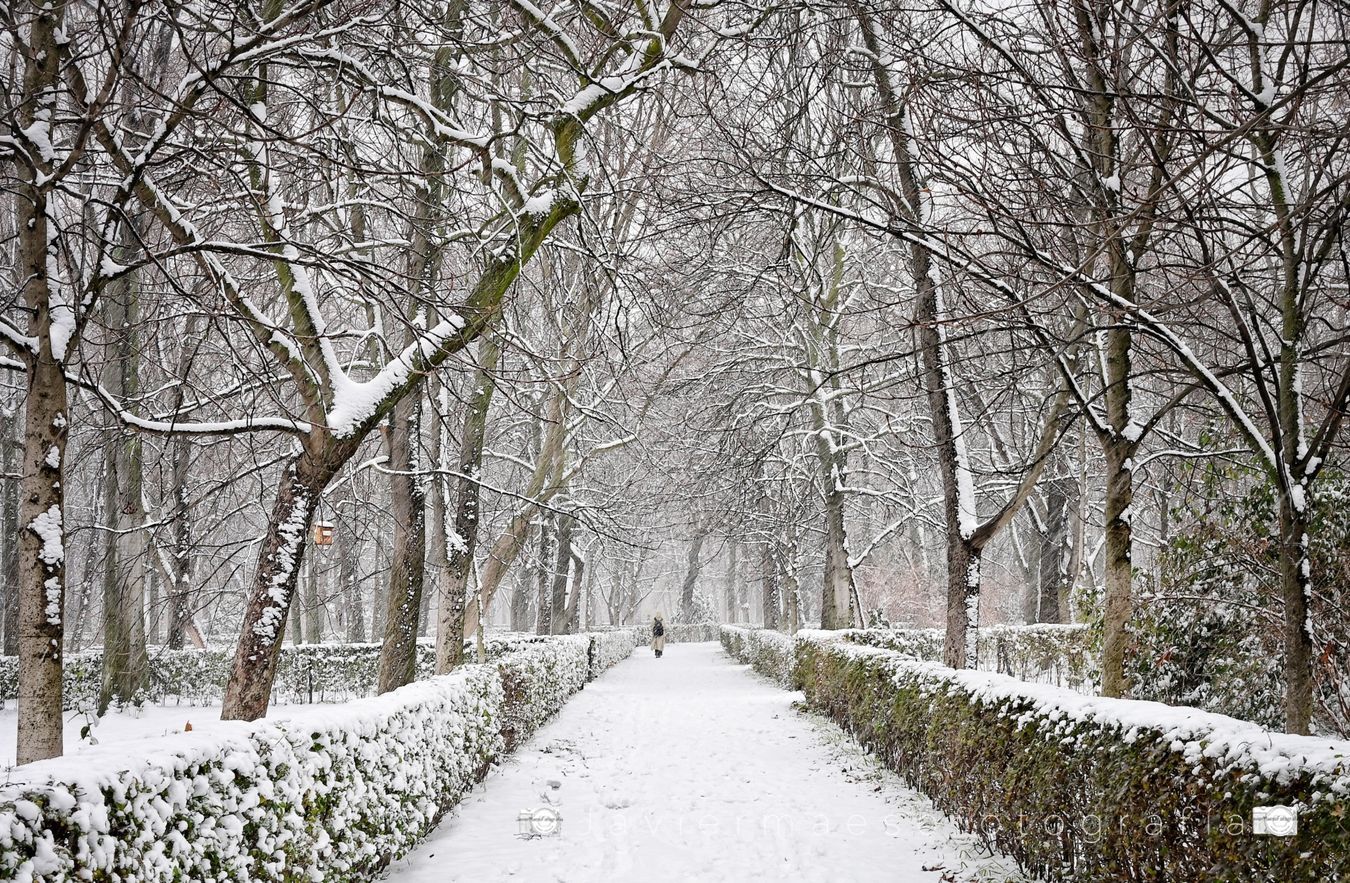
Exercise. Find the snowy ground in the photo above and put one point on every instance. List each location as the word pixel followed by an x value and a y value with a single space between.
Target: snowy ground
pixel 692 768
pixel 117 726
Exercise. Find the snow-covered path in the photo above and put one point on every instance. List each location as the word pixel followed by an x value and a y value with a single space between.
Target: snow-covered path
pixel 692 768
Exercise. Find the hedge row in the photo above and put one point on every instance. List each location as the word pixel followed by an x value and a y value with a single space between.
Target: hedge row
pixel 1048 653
pixel 305 672
pixel 330 794
pixel 1079 788
pixel 322 672
pixel 769 652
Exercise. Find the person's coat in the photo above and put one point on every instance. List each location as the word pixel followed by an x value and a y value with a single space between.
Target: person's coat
pixel 658 641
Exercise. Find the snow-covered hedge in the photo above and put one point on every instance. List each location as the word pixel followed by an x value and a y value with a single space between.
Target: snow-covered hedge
pixel 1063 655
pixel 767 651
pixel 1079 788
pixel 690 632
pixel 330 794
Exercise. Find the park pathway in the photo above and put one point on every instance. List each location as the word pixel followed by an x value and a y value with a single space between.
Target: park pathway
pixel 693 768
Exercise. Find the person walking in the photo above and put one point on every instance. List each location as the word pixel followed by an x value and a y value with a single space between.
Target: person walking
pixel 658 635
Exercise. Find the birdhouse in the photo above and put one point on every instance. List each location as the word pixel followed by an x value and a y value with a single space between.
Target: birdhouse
pixel 324 533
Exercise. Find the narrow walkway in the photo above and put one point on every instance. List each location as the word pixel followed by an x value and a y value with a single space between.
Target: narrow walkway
pixel 693 768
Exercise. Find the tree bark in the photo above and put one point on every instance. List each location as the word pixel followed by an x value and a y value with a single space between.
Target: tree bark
pixel 313 606
pixel 350 578
pixel 543 623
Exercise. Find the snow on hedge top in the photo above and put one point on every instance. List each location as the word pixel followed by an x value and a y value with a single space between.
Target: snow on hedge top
pixel 1197 734
pixel 105 765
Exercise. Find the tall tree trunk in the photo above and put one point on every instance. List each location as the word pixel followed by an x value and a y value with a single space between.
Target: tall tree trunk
pixel 578 597
pixel 693 566
pixel 398 655
pixel 42 566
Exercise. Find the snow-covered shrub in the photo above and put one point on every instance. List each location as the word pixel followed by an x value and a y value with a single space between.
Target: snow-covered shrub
pixel 1063 655
pixel 537 679
pixel 329 794
pixel 611 646
pixel 766 651
pixel 1080 788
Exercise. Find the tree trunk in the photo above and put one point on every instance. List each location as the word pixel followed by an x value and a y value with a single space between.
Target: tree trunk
pixel 279 560
pixel 398 655
pixel 1296 588
pixel 42 567
pixel 462 539
pixel 1119 568
pixel 126 664
pixel 543 623
pixel 350 577
pixel 770 600
pixel 313 606
pixel 10 447
pixel 693 566
pixel 561 572
pixel 1056 550
pixel 729 589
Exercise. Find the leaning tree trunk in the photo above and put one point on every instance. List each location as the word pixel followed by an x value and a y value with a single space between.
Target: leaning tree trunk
pixel 279 560
pixel 398 655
